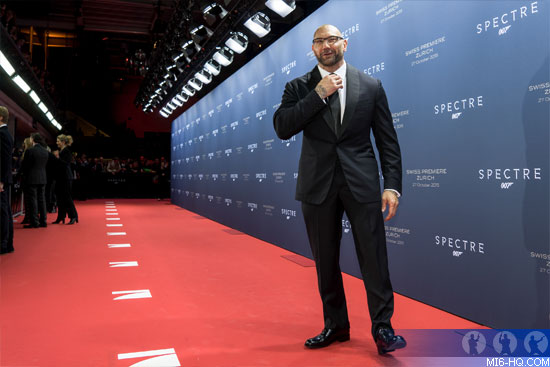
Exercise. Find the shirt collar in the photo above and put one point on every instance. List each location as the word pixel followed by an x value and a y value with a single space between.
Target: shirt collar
pixel 341 72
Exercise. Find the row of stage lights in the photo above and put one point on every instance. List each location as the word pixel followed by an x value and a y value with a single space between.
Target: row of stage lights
pixel 21 83
pixel 236 43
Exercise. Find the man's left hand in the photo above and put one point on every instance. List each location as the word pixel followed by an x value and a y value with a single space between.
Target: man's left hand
pixel 390 199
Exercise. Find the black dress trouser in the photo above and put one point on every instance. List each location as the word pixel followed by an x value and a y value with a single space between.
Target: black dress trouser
pixel 6 221
pixel 65 204
pixel 324 228
pixel 36 204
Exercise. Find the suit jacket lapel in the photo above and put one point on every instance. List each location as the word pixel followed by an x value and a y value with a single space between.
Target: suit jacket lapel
pixel 352 95
pixel 314 79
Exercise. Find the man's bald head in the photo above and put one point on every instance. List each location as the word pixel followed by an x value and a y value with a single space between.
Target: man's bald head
pixel 327 28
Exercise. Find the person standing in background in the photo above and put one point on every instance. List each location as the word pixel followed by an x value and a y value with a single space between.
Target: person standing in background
pixel 64 181
pixel 27 144
pixel 33 168
pixel 6 151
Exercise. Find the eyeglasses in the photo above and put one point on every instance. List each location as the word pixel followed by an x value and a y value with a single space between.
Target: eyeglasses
pixel 330 40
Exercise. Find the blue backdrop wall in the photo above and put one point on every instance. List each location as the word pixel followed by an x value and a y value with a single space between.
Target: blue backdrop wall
pixel 469 87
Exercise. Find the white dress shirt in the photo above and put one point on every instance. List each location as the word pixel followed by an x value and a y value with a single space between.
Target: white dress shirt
pixel 341 72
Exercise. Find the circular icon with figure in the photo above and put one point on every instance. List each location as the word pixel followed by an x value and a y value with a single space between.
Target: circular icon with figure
pixel 535 343
pixel 473 343
pixel 505 343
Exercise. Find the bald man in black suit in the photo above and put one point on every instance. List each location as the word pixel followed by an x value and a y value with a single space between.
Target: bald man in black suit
pixel 337 107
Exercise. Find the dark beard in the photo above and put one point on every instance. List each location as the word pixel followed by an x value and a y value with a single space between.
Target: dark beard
pixel 336 58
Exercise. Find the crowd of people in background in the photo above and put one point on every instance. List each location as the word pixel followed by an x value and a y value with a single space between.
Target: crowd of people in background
pixel 99 177
pixel 46 179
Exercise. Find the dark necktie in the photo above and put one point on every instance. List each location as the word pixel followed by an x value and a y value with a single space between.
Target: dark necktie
pixel 334 104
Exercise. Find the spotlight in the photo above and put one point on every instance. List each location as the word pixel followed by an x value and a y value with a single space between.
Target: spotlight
pixel 200 34
pixel 35 97
pixel 188 90
pixel 56 124
pixel 6 65
pixel 281 7
pixel 213 67
pixel 164 114
pixel 21 83
pixel 195 83
pixel 43 107
pixel 224 55
pixel 182 97
pixel 213 13
pixel 204 76
pixel 190 49
pixel 237 42
pixel 259 24
pixel 49 116
pixel 177 102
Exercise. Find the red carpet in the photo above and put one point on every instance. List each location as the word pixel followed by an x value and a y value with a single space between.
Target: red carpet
pixel 200 295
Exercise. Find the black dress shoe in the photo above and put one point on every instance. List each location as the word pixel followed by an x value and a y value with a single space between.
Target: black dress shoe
pixel 73 221
pixel 6 251
pixel 59 221
pixel 42 225
pixel 387 341
pixel 327 337
pixel 30 226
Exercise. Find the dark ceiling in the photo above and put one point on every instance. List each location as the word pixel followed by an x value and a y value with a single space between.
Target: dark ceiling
pixel 92 44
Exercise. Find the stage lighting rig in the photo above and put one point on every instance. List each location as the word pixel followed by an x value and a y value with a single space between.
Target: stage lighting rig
pixel 259 24
pixel 237 42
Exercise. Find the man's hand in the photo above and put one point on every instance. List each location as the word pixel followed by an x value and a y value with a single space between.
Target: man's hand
pixel 1 186
pixel 328 85
pixel 389 198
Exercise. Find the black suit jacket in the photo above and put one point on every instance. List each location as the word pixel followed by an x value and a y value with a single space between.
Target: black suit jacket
pixel 64 169
pixel 6 151
pixel 33 166
pixel 366 111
